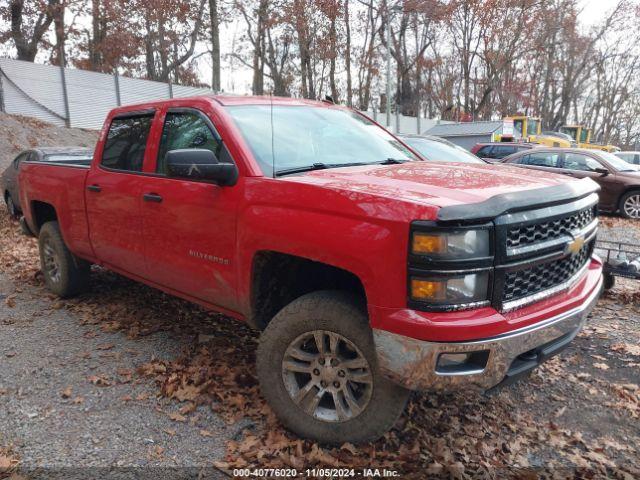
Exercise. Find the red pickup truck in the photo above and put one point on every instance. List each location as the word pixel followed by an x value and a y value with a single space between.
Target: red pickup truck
pixel 370 271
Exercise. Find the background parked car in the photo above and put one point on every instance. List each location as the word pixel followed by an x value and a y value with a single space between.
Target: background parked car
pixel 438 149
pixel 499 150
pixel 9 178
pixel 619 180
pixel 629 157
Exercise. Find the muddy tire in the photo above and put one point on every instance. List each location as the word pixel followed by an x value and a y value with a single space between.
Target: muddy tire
pixel 318 371
pixel 64 274
pixel 630 205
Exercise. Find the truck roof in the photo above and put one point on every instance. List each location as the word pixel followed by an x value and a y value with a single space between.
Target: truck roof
pixel 225 100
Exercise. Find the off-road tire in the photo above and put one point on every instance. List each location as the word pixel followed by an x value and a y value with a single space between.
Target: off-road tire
pixel 340 313
pixel 630 212
pixel 72 273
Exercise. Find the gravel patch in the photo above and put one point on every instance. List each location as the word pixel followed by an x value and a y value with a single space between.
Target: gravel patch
pixel 70 397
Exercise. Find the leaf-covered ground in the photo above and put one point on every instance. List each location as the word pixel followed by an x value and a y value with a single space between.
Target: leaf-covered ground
pixel 577 416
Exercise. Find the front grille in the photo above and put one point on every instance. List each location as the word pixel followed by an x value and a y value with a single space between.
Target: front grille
pixel 524 283
pixel 521 236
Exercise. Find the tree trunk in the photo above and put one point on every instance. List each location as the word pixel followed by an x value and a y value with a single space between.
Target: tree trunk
pixel 58 55
pixel 347 54
pixel 334 53
pixel 215 46
pixel 28 47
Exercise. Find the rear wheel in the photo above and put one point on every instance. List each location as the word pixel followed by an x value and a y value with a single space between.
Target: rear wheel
pixel 64 273
pixel 318 370
pixel 630 204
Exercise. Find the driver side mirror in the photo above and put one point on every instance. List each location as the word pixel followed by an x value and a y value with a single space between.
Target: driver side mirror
pixel 200 164
pixel 603 171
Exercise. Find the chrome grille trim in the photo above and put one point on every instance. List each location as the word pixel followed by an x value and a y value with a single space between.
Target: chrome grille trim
pixel 536 297
pixel 587 232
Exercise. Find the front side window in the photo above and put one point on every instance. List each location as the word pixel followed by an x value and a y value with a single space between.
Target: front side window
pixel 532 127
pixel 286 137
pixel 540 159
pixel 577 161
pixel 185 130
pixel 126 143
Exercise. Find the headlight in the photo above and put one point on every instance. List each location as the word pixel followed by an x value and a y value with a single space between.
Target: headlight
pixel 451 245
pixel 452 289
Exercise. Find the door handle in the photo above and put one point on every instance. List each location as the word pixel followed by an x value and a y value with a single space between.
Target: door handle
pixel 94 188
pixel 152 197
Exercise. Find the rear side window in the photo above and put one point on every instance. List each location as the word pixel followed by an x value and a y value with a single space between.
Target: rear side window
pixel 485 152
pixel 185 130
pixel 501 151
pixel 540 159
pixel 126 143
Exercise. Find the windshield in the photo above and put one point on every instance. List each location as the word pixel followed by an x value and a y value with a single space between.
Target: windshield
pixel 310 136
pixel 569 131
pixel 618 164
pixel 435 150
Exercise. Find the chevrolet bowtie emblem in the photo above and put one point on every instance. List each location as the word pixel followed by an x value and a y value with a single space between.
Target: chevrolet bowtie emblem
pixel 575 245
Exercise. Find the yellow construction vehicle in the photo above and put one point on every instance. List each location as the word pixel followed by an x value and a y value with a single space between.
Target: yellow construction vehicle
pixel 582 136
pixel 529 129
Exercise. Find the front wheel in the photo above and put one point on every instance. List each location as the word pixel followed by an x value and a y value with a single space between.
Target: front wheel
pixel 318 370
pixel 630 205
pixel 64 273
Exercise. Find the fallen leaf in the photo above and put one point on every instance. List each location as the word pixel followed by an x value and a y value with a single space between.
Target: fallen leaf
pixel 66 393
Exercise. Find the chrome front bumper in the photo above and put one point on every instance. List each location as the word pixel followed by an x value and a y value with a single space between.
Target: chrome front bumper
pixel 414 364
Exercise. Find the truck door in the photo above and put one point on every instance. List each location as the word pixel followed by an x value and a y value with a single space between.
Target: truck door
pixel 113 195
pixel 190 226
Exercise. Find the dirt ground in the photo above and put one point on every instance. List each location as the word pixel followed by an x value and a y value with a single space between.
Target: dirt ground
pixel 125 378
pixel 20 133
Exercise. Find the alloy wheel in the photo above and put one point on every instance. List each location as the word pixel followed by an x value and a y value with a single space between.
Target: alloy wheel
pixel 632 206
pixel 327 376
pixel 50 262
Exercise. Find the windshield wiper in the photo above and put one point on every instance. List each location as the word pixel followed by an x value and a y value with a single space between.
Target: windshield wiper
pixel 393 161
pixel 318 166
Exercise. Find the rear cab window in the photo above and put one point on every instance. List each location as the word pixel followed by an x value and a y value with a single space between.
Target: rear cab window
pixel 126 142
pixel 485 151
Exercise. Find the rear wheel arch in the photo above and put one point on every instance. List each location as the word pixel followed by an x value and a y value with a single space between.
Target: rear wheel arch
pixel 41 213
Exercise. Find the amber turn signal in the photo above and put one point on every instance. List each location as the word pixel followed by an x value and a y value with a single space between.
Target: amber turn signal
pixel 424 243
pixel 427 290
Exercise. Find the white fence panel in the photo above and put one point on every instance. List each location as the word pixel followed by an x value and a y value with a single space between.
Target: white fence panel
pixel 180 91
pixel 32 89
pixel 134 90
pixel 91 96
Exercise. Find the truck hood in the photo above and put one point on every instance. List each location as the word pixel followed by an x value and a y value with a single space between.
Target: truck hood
pixel 436 184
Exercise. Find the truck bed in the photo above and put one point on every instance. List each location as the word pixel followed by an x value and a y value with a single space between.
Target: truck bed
pixel 61 184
